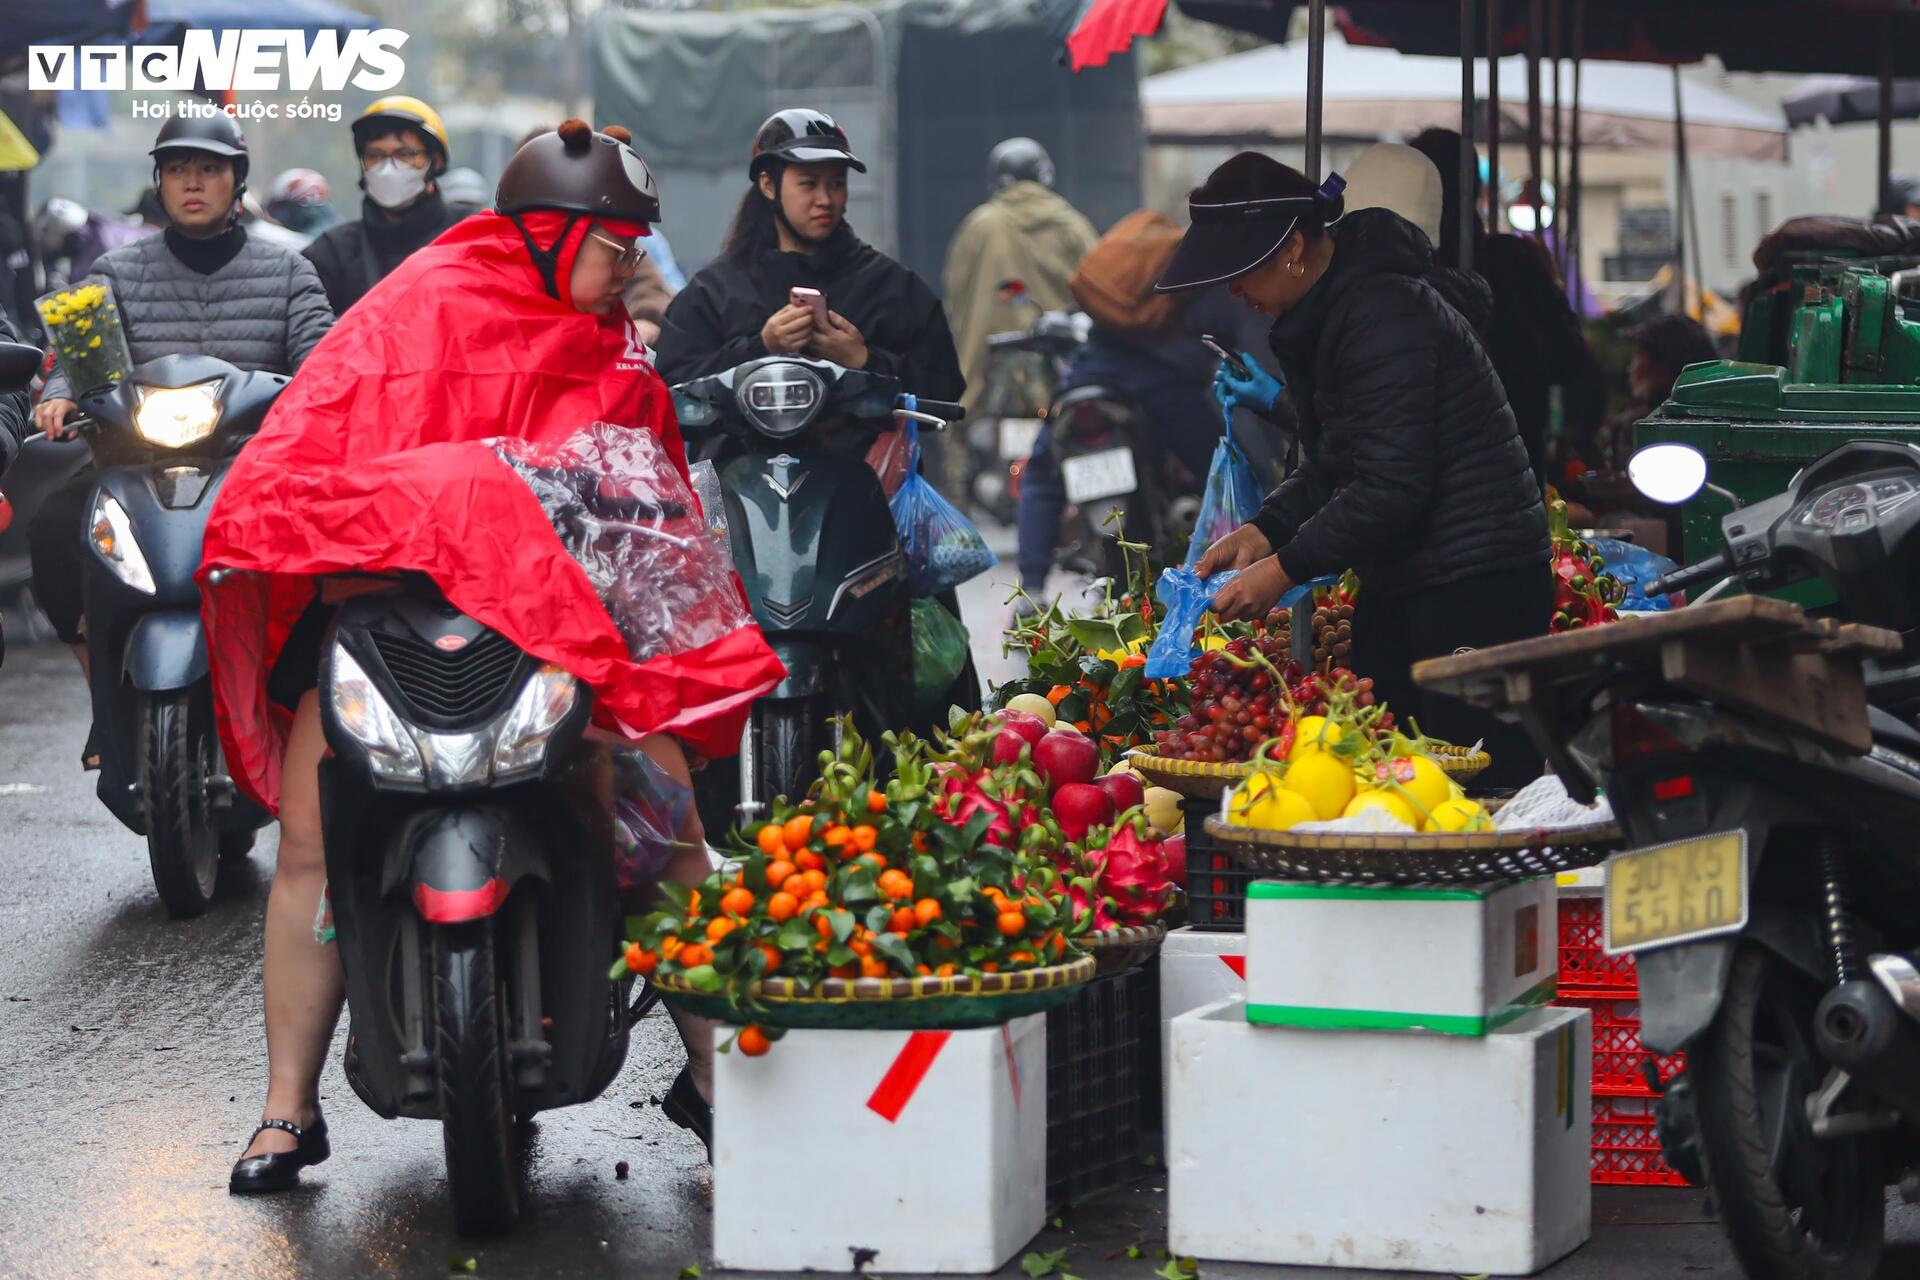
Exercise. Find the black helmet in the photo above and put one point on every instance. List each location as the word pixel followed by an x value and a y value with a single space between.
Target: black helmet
pixel 217 134
pixel 801 135
pixel 1019 160
pixel 577 170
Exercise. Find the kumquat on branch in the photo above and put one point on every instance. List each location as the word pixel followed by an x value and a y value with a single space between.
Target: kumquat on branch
pixel 953 875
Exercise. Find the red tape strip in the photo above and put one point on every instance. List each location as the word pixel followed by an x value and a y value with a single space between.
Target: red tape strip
pixel 1013 1063
pixel 903 1078
pixel 1236 963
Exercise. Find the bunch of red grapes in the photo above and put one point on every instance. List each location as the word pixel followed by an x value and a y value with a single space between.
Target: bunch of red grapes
pixel 1238 704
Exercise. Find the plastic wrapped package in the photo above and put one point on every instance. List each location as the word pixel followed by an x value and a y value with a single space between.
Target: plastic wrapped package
pixel 1230 499
pixel 1187 596
pixel 629 519
pixel 939 652
pixel 942 546
pixel 713 503
pixel 1635 567
pixel 650 806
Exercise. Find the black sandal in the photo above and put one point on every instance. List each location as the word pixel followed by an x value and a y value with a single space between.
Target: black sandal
pixel 686 1108
pixel 90 754
pixel 279 1170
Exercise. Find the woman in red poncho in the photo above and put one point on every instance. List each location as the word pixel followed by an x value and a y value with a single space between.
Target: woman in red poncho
pixel 509 325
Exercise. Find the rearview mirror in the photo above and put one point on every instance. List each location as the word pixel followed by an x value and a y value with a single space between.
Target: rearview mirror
pixel 1668 473
pixel 18 363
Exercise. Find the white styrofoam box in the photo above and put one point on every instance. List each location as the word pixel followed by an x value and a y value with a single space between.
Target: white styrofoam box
pixel 957 1120
pixel 1466 1156
pixel 1197 968
pixel 1456 959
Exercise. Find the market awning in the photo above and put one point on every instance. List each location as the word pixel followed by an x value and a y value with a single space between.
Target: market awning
pixel 1848 100
pixel 1375 93
pixel 169 17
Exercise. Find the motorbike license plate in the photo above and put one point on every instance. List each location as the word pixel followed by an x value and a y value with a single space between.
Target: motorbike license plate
pixel 1092 476
pixel 1016 438
pixel 1676 892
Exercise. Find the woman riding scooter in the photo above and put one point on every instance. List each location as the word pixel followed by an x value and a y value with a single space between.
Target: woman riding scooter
pixel 509 325
pixel 201 287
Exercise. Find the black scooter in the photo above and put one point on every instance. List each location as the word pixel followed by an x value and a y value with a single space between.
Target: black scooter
pixel 814 541
pixel 470 863
pixel 1771 895
pixel 19 363
pixel 162 442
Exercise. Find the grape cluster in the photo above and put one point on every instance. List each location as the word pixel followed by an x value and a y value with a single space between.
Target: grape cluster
pixel 1248 693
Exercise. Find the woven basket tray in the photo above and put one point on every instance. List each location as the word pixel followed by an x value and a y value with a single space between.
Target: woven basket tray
pixel 1117 950
pixel 1466 857
pixel 889 1004
pixel 1204 780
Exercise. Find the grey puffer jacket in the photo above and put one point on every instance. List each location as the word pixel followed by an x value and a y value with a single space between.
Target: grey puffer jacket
pixel 265 309
pixel 1413 473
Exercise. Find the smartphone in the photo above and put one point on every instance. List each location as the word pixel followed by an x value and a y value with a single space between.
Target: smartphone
pixel 812 299
pixel 1232 361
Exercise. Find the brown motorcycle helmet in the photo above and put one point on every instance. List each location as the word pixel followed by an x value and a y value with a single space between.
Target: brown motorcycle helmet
pixel 577 170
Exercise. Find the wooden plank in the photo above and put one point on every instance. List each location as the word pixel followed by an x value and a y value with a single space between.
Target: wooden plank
pixel 1862 640
pixel 1821 696
pixel 1751 617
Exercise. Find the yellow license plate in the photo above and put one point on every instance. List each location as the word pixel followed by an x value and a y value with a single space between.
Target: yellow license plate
pixel 1676 892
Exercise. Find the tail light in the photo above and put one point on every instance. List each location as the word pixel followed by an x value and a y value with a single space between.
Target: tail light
pixel 1638 736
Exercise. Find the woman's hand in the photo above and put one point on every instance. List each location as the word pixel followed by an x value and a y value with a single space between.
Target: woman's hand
pixel 1259 391
pixel 839 342
pixel 1253 594
pixel 1235 551
pixel 51 418
pixel 787 330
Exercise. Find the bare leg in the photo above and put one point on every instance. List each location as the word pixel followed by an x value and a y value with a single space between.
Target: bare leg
pixel 304 983
pixel 86 667
pixel 688 866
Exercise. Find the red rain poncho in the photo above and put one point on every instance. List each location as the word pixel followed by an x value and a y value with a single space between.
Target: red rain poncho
pixel 372 460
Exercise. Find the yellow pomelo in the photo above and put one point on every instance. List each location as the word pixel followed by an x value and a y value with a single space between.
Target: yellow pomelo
pixel 1163 810
pixel 1268 807
pixel 1324 779
pixel 1386 802
pixel 1313 733
pixel 1458 815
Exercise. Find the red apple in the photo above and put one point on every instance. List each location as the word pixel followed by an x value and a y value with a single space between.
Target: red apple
pixel 1065 757
pixel 1175 847
pixel 1028 726
pixel 1123 789
pixel 1080 805
pixel 1007 747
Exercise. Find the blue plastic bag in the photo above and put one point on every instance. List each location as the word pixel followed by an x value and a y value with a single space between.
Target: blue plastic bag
pixel 1230 499
pixel 1187 596
pixel 1635 567
pixel 942 546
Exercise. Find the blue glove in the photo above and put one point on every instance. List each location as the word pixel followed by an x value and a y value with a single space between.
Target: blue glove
pixel 1260 391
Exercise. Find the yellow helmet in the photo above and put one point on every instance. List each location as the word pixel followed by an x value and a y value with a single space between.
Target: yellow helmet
pixel 400 109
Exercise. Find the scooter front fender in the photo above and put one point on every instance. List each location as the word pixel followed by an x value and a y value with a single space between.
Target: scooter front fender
pixel 459 864
pixel 165 651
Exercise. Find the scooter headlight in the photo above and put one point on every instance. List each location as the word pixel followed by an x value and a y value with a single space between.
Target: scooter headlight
pixel 112 536
pixel 175 417
pixel 543 703
pixel 781 399
pixel 364 713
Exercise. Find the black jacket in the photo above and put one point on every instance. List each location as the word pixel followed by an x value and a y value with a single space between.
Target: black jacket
pixel 1412 470
pixel 352 257
pixel 1536 343
pixel 714 323
pixel 16 413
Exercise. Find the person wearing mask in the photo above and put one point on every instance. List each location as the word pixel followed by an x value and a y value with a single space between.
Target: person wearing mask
pixel 1026 231
pixel 1411 471
pixel 203 287
pixel 403 150
pixel 380 424
pixel 1534 338
pixel 791 231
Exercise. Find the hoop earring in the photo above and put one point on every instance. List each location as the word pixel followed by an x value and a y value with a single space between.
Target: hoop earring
pixel 1297 269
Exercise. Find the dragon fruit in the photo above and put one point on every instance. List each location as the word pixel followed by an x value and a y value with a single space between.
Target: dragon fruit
pixel 965 795
pixel 1133 878
pixel 1081 896
pixel 1584 593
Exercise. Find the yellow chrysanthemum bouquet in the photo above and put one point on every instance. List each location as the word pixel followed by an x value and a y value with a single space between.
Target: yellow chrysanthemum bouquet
pixel 84 324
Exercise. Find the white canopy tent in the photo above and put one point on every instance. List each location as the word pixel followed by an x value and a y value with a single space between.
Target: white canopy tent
pixel 1372 94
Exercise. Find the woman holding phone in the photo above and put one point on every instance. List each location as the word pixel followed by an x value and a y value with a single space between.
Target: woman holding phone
pixel 793 277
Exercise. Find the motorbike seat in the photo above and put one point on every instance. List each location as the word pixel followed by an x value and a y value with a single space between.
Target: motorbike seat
pixel 1893 731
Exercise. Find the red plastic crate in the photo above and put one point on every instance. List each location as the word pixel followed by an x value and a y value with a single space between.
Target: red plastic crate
pixel 1584 964
pixel 1626 1145
pixel 1619 1058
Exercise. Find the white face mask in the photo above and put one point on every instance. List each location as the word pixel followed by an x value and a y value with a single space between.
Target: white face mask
pixel 393 185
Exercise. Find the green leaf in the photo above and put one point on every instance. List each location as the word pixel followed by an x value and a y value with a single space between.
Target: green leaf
pixel 1131 627
pixel 795 935
pixel 840 953
pixel 842 922
pixel 924 869
pixel 1096 633
pixel 705 979
pixel 1058 1225
pixel 457 1263
pixel 859 886
pixel 1073 708
pixel 1124 686
pixel 1133 1251
pixel 678 894
pixel 1037 1264
pixel 690 1272
pixel 618 971
pixel 961 890
pixel 894 947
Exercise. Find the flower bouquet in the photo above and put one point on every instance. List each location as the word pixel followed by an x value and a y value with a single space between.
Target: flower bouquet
pixel 84 324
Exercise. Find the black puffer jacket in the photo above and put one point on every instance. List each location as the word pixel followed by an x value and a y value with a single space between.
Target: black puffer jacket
pixel 1412 470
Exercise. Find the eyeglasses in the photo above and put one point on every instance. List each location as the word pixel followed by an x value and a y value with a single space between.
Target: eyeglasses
pixel 626 256
pixel 405 155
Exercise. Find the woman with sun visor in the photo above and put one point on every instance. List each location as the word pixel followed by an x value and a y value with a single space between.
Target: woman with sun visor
pixel 1411 471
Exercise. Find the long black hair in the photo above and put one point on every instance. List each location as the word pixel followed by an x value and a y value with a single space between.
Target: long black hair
pixel 1442 146
pixel 752 232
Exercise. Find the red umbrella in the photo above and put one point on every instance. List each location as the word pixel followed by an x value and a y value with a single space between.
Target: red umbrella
pixel 1107 27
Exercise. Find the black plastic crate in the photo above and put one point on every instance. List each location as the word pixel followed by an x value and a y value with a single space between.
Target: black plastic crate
pixel 1216 887
pixel 1097 1086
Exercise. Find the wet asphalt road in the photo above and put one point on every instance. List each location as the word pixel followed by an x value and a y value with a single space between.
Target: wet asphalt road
pixel 132 1066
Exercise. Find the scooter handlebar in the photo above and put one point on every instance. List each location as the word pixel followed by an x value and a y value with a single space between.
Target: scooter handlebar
pixel 944 409
pixel 1714 566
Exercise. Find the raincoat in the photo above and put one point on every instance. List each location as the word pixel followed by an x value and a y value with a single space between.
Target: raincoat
pixel 1028 233
pixel 374 460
